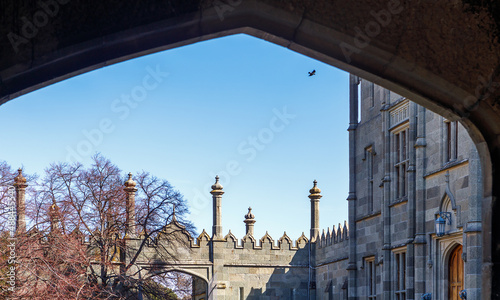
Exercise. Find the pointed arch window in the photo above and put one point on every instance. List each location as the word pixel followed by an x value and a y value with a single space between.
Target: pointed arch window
pixel 451 141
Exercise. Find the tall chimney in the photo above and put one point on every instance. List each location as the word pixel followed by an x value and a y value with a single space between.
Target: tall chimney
pixel 314 196
pixel 130 189
pixel 217 197
pixel 20 186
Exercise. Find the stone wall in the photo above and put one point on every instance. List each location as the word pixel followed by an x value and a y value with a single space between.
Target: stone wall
pixel 248 268
pixel 264 268
pixel 396 214
pixel 331 263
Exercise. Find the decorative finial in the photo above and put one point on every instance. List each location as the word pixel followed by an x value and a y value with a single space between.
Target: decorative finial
pixel 447 176
pixel 19 178
pixel 217 185
pixel 249 215
pixel 315 190
pixel 130 182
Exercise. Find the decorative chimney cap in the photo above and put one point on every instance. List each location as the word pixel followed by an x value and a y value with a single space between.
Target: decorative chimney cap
pixel 315 189
pixel 20 178
pixel 217 185
pixel 130 183
pixel 249 215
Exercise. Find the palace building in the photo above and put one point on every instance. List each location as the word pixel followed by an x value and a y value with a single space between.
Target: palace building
pixel 413 231
pixel 414 206
pixel 414 220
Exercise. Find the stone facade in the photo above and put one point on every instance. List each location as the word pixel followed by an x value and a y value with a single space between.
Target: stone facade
pixel 407 164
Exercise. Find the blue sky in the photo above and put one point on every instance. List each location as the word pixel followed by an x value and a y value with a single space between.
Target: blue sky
pixel 236 106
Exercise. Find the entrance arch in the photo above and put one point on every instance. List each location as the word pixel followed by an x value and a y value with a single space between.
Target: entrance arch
pixel 455 273
pixel 400 46
pixel 184 282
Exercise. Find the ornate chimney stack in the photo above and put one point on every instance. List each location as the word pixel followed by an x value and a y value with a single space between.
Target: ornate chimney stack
pixel 130 189
pixel 217 197
pixel 20 186
pixel 249 221
pixel 314 196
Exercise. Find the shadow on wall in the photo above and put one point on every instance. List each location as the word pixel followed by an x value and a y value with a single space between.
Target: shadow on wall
pixel 290 283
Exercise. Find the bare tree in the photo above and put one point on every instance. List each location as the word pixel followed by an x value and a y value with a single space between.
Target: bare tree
pixel 51 266
pixel 85 238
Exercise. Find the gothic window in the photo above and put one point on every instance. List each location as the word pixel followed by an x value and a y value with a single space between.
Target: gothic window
pixel 367 92
pixel 371 270
pixel 401 162
pixel 451 141
pixel 371 94
pixel 400 275
pixel 369 153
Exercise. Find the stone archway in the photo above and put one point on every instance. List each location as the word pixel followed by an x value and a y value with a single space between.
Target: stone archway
pixel 185 279
pixel 447 60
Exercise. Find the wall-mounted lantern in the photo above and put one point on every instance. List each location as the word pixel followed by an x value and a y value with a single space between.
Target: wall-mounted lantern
pixel 440 222
pixel 427 296
pixel 463 294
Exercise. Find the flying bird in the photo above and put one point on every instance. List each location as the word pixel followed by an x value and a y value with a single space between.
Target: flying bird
pixel 312 73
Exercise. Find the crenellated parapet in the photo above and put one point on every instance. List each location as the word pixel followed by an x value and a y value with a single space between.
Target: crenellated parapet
pixel 177 234
pixel 284 243
pixel 332 236
pixel 332 245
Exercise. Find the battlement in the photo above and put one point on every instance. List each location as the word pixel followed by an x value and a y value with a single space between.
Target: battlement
pixel 332 246
pixel 247 242
pixel 333 236
pixel 266 242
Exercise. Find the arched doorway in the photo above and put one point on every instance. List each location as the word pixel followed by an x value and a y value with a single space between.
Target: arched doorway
pixel 455 273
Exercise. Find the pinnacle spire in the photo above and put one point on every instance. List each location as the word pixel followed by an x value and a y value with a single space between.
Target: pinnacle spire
pixel 249 221
pixel 217 186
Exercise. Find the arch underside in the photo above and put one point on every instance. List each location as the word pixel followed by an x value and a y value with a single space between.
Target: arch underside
pixel 202 272
pixel 447 60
